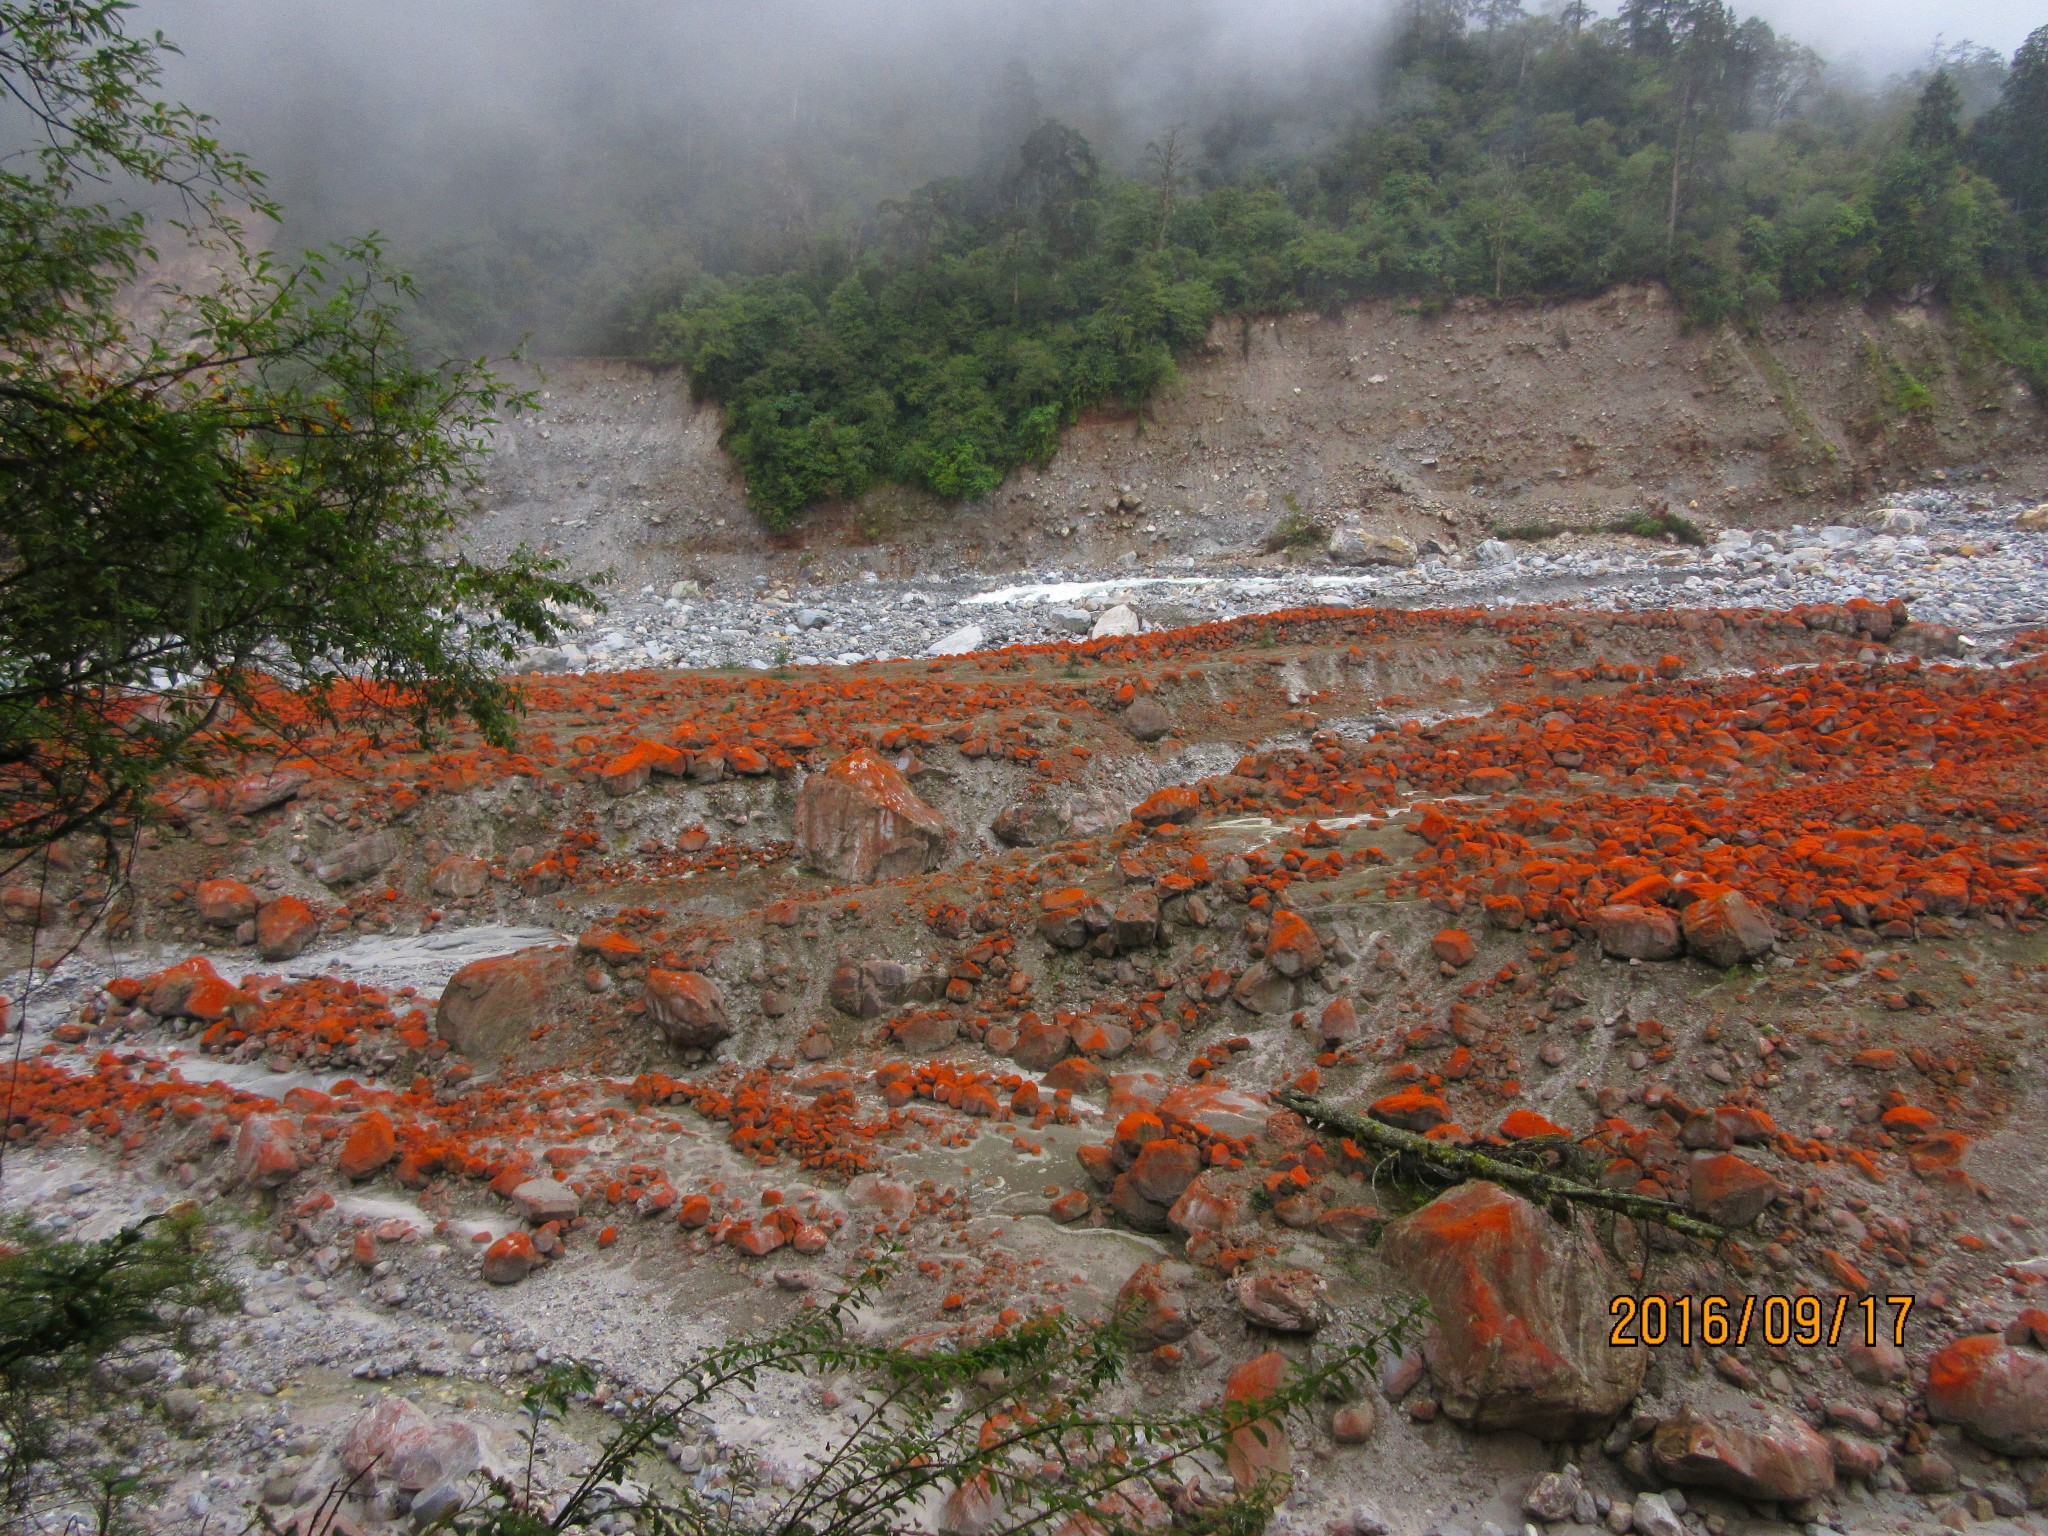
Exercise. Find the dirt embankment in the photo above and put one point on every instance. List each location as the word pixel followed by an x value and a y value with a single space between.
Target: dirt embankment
pixel 1448 426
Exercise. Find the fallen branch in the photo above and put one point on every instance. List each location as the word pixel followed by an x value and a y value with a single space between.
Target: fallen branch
pixel 1549 1188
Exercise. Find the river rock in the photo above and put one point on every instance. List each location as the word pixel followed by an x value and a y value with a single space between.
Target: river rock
pixel 1998 1393
pixel 688 1006
pixel 1759 1451
pixel 1353 545
pixel 859 821
pixel 357 860
pixel 1521 1312
pixel 490 1006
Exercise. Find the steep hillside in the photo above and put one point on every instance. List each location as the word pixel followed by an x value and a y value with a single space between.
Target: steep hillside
pixel 1447 425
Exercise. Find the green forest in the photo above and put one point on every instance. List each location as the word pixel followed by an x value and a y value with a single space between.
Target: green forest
pixel 1505 156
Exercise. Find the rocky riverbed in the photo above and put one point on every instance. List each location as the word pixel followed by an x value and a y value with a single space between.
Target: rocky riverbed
pixel 1963 558
pixel 647 1033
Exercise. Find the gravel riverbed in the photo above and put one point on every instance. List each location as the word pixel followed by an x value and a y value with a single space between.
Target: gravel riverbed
pixel 1965 559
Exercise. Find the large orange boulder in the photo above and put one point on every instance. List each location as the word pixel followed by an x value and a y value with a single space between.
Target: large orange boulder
pixel 1996 1391
pixel 1631 932
pixel 1727 929
pixel 284 927
pixel 1292 947
pixel 1258 1449
pixel 1731 1190
pixel 1521 1308
pixel 689 1007
pixel 267 1151
pixel 369 1146
pixel 491 1006
pixel 1175 805
pixel 225 903
pixel 859 821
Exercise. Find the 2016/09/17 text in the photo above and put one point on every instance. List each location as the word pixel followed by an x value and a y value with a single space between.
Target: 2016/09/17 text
pixel 1647 1321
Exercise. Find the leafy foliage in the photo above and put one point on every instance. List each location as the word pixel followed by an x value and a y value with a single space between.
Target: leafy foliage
pixel 1008 1426
pixel 206 485
pixel 1519 157
pixel 68 1308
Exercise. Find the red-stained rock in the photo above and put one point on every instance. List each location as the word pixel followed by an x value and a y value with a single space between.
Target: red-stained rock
pixel 924 1034
pixel 1997 1392
pixel 1504 912
pixel 166 994
pixel 459 878
pixel 265 791
pixel 28 906
pixel 1077 1073
pixel 1206 1205
pixel 688 1006
pixel 1040 1045
pixel 1760 1451
pixel 1944 895
pixel 756 1242
pixel 1630 932
pixel 1292 948
pixel 1262 989
pixel 285 925
pixel 1727 929
pixel 1282 1300
pixel 510 1259
pixel 1353 1423
pixel 1135 925
pixel 972 1508
pixel 1522 1124
pixel 225 903
pixel 490 1006
pixel 371 1144
pixel 1730 1190
pixel 1258 1450
pixel 1454 946
pixel 1854 1456
pixel 1411 1109
pixel 859 821
pixel 267 1151
pixel 1071 1206
pixel 867 989
pixel 1175 805
pixel 1521 1308
pixel 1338 1022
pixel 1164 1169
pixel 1152 1304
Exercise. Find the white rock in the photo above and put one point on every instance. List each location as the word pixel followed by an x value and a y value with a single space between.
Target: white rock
pixel 1119 620
pixel 968 637
pixel 1493 552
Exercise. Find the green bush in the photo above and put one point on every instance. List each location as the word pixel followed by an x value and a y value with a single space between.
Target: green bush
pixel 69 1308
pixel 1010 1421
pixel 1529 161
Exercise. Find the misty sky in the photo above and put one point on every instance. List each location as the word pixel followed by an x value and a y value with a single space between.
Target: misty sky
pixel 504 140
pixel 1884 33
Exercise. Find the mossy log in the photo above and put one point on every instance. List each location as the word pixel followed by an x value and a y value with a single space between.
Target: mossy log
pixel 1547 1188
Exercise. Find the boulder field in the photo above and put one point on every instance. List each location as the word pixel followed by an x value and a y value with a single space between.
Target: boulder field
pixel 997 959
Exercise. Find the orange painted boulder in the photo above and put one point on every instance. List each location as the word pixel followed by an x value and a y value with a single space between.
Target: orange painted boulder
pixel 859 821
pixel 1521 1308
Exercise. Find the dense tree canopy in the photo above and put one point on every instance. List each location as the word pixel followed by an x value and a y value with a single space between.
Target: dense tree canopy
pixel 208 486
pixel 1512 157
